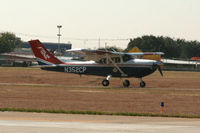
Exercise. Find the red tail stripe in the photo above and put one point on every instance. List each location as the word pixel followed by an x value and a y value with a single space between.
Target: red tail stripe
pixel 42 53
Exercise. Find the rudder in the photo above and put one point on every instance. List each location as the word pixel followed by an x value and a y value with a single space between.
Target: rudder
pixel 43 56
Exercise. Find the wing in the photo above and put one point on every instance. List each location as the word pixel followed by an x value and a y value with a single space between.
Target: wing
pixel 148 55
pixel 19 57
pixel 95 55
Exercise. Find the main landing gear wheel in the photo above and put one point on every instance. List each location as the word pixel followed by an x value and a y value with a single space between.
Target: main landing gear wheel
pixel 126 83
pixel 105 82
pixel 142 84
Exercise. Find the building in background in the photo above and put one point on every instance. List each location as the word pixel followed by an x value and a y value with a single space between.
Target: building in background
pixel 50 45
pixel 23 56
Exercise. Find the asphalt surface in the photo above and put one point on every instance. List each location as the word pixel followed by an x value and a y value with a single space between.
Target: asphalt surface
pixel 42 122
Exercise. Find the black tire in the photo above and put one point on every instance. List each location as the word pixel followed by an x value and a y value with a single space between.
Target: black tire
pixel 105 82
pixel 142 84
pixel 126 83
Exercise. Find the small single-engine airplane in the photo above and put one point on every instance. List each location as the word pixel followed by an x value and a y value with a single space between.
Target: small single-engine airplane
pixel 98 62
pixel 146 55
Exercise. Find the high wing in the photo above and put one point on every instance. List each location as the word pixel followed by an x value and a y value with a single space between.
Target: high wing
pixel 149 55
pixel 19 57
pixel 96 55
pixel 88 51
pixel 145 53
pixel 135 50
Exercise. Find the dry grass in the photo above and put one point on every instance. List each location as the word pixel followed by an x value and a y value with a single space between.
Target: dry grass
pixel 32 88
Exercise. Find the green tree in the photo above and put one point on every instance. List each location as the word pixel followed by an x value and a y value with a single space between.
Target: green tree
pixel 112 48
pixel 8 42
pixel 173 48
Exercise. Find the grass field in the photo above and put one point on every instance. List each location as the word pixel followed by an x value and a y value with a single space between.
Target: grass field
pixel 32 88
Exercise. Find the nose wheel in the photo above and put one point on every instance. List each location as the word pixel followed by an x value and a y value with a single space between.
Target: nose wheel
pixel 142 84
pixel 105 82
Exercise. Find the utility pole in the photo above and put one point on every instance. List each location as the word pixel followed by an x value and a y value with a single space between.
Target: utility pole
pixel 99 42
pixel 59 35
pixel 105 45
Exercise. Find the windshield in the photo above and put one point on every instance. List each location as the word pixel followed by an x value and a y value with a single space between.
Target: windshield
pixel 127 57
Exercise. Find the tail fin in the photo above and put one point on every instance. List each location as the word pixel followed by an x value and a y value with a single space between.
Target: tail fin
pixel 43 56
pixel 135 50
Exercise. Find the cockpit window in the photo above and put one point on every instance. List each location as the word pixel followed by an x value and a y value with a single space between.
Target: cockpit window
pixel 126 57
pixel 102 61
pixel 114 59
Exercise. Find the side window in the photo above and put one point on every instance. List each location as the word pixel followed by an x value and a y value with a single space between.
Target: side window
pixel 114 59
pixel 117 60
pixel 103 61
pixel 126 57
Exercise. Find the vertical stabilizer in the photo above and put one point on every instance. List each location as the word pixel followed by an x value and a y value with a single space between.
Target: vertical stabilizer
pixel 134 50
pixel 43 56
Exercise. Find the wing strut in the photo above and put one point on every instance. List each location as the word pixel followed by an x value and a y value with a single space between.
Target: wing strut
pixel 122 73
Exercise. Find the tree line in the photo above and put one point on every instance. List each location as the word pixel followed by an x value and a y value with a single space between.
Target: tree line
pixel 8 42
pixel 173 48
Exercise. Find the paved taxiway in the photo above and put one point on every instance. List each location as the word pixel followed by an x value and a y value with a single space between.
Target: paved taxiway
pixel 42 122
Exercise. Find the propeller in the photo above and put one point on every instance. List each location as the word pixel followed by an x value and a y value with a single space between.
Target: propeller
pixel 157 66
pixel 160 70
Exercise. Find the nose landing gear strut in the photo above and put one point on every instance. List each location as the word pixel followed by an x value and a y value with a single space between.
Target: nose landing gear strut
pixel 106 82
